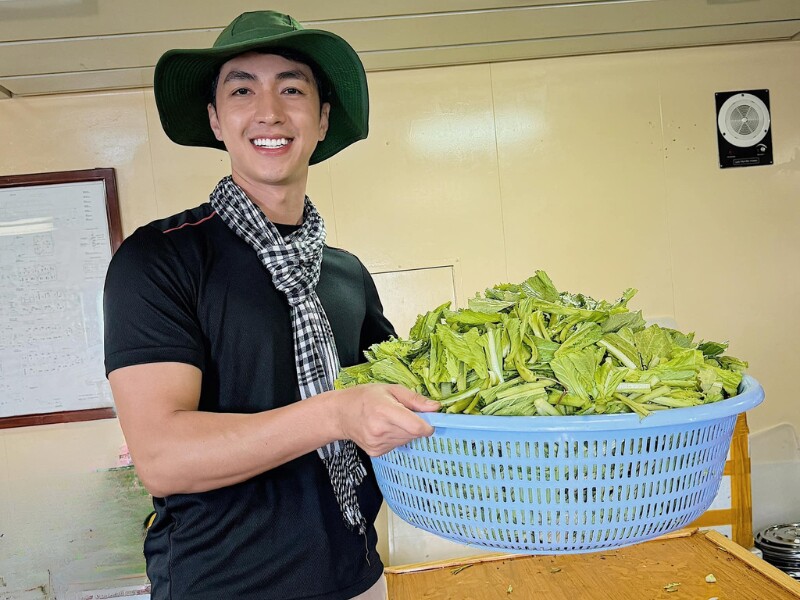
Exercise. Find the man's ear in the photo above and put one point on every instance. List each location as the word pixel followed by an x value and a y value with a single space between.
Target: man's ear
pixel 324 115
pixel 214 122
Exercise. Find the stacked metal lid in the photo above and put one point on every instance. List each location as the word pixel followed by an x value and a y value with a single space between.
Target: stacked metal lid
pixel 780 545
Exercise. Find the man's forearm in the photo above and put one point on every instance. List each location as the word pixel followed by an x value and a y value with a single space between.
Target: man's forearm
pixel 198 451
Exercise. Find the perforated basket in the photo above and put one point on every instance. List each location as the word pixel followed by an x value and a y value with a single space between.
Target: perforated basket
pixel 549 485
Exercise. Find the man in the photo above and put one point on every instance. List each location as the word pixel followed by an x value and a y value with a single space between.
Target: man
pixel 226 326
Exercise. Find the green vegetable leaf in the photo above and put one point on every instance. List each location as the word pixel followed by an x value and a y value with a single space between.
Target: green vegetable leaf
pixel 471 318
pixel 489 305
pixel 576 372
pixel 444 366
pixel 730 380
pixel 712 349
pixel 350 376
pixel 464 348
pixel 731 363
pixel 520 354
pixel 538 326
pixel 392 370
pixel 511 292
pixel 545 349
pixel 466 395
pixel 684 340
pixel 490 394
pixel 397 348
pixel 608 378
pixel 626 296
pixel 560 309
pixel 585 335
pixel 622 346
pixel 632 320
pixel 426 324
pixel 493 351
pixel 653 343
pixel 540 286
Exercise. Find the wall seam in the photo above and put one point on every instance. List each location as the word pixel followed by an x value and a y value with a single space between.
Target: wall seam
pixel 150 153
pixel 665 201
pixel 497 165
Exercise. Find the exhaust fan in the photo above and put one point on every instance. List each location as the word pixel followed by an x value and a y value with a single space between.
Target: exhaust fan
pixel 744 136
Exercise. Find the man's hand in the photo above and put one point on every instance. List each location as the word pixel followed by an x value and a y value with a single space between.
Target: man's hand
pixel 378 418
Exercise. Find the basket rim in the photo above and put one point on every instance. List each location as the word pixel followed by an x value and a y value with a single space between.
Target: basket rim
pixel 750 395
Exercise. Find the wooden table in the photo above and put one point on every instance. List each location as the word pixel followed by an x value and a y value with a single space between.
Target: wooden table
pixel 641 572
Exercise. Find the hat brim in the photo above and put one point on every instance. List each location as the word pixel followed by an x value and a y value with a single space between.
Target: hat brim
pixel 182 83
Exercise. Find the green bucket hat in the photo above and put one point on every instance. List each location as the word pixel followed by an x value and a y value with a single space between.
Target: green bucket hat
pixel 182 80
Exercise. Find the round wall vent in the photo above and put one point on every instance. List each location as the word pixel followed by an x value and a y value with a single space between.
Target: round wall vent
pixel 743 120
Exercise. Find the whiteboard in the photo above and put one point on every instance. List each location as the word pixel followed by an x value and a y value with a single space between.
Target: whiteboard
pixel 55 248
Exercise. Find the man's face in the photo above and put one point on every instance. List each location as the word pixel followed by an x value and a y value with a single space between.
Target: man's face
pixel 268 115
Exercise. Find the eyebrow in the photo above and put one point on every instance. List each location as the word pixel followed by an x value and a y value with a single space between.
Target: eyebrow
pixel 295 74
pixel 237 75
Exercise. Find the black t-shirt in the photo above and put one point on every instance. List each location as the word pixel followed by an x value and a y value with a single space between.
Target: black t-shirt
pixel 187 289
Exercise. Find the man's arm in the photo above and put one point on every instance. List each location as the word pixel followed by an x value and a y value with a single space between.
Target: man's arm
pixel 178 449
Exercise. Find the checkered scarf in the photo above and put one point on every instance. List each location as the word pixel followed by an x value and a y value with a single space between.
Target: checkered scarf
pixel 294 264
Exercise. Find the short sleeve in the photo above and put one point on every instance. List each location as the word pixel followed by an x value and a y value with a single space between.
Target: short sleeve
pixel 149 305
pixel 376 327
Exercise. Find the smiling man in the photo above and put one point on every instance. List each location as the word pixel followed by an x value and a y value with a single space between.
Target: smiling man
pixel 268 112
pixel 226 325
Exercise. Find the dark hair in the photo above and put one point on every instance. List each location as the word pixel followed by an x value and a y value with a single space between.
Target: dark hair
pixel 323 89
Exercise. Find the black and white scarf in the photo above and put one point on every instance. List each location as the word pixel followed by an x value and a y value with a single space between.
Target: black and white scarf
pixel 294 264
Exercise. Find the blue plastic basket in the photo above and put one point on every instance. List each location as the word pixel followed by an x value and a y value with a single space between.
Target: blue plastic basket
pixel 550 485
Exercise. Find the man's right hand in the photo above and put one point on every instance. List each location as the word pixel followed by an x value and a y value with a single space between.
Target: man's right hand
pixel 379 417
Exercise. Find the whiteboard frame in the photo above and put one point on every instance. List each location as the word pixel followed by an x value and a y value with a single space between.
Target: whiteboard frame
pixel 108 177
